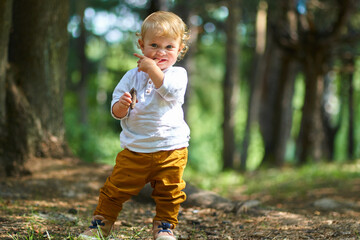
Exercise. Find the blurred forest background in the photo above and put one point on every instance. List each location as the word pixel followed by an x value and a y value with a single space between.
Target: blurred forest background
pixel 271 82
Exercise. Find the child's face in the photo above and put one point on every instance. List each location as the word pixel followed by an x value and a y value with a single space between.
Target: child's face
pixel 163 49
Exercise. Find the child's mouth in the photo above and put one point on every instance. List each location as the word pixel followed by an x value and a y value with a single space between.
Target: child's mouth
pixel 162 61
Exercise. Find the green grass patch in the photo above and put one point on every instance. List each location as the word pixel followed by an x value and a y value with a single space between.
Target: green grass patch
pixel 284 182
pixel 222 182
pixel 298 181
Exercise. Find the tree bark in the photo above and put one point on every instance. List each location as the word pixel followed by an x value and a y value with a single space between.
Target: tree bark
pixel 311 143
pixel 230 85
pixel 349 68
pixel 158 5
pixel 82 87
pixel 330 127
pixel 5 23
pixel 351 129
pixel 260 71
pixel 35 83
pixel 277 102
pixel 276 107
pixel 314 47
pixel 185 11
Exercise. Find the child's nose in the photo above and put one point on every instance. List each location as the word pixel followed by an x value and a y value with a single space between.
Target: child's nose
pixel 161 51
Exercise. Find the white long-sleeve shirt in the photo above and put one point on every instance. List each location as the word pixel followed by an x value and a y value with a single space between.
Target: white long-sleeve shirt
pixel 156 123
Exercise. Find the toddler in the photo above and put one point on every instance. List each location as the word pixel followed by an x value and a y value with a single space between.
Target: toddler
pixel 154 134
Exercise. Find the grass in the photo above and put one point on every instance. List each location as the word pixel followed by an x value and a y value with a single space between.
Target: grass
pixel 298 181
pixel 284 182
pixel 222 182
pixel 31 234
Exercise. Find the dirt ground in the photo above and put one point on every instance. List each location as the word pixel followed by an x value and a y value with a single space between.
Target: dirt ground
pixel 57 200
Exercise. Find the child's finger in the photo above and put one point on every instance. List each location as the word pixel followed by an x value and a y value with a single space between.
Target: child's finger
pixel 127 95
pixel 126 99
pixel 138 55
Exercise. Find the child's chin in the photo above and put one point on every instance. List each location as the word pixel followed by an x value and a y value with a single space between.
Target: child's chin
pixel 163 66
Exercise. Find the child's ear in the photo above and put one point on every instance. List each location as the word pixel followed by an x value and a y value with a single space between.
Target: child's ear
pixel 181 47
pixel 141 44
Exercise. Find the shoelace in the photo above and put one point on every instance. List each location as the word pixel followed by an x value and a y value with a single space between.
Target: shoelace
pixel 96 223
pixel 165 227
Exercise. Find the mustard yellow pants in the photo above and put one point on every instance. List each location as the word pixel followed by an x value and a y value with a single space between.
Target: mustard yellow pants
pixel 164 170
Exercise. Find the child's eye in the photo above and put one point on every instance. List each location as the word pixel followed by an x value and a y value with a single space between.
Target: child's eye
pixel 169 47
pixel 154 45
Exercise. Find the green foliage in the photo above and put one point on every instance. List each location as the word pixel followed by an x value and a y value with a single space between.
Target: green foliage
pixel 205 114
pixel 297 104
pixel 205 110
pixel 341 142
pixel 256 149
pixel 98 138
pixel 356 101
pixel 109 59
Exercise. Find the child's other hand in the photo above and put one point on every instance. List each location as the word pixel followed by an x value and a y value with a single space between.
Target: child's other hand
pixel 146 64
pixel 125 101
pixel 121 107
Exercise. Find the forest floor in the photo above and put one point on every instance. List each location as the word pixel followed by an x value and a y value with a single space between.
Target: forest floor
pixel 57 201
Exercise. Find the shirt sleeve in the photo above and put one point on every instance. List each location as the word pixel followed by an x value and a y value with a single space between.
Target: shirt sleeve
pixel 174 85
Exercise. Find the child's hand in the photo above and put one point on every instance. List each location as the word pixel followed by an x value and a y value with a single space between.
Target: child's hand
pixel 121 107
pixel 150 67
pixel 125 101
pixel 146 64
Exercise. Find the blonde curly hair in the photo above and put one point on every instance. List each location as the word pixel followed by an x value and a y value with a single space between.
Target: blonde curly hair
pixel 167 24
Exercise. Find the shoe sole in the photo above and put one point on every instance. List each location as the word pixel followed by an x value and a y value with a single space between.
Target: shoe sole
pixel 165 238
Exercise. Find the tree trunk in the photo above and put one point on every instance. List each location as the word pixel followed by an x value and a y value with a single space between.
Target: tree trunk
pixel 276 108
pixel 230 84
pixel 185 11
pixel 311 143
pixel 315 48
pixel 349 68
pixel 158 5
pixel 35 83
pixel 260 71
pixel 276 103
pixel 82 87
pixel 330 127
pixel 5 23
pixel 351 129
